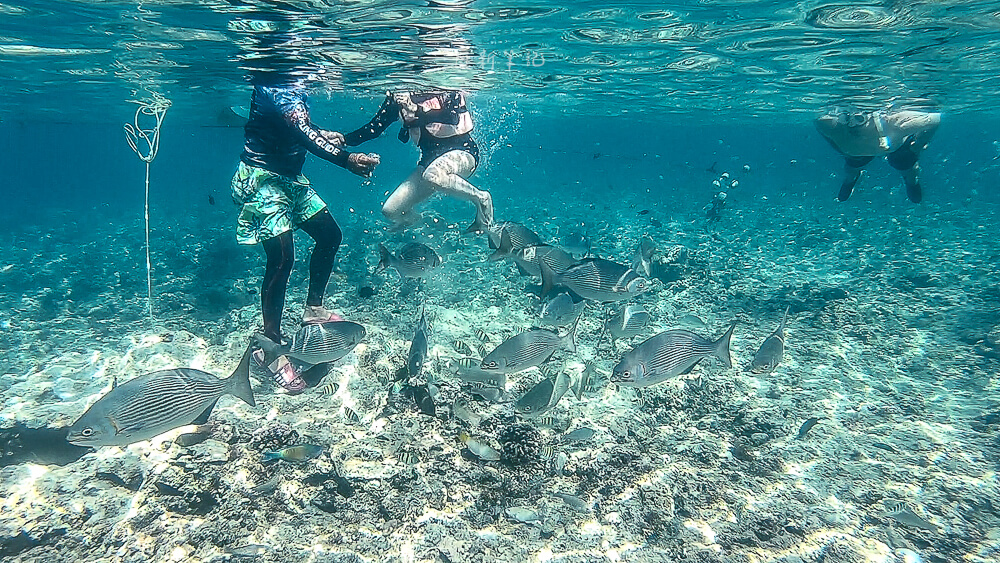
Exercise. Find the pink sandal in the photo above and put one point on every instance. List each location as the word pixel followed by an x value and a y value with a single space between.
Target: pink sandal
pixel 282 372
pixel 332 317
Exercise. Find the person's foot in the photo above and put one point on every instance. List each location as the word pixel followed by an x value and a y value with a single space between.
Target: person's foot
pixel 914 192
pixel 282 372
pixel 484 217
pixel 319 314
pixel 845 191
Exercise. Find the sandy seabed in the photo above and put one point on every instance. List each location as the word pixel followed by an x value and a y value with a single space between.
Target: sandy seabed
pixel 893 344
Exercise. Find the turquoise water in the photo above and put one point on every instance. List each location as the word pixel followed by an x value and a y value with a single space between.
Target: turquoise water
pixel 608 120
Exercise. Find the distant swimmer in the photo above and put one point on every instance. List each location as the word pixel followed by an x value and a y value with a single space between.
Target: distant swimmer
pixel 861 136
pixel 440 124
pixel 275 198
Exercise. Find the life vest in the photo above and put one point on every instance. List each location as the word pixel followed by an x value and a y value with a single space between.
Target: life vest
pixel 451 103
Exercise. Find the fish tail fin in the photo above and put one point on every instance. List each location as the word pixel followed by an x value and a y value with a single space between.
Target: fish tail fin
pixel 479 225
pixel 571 335
pixel 781 327
pixel 722 347
pixel 239 380
pixel 271 348
pixel 271 456
pixel 504 248
pixel 384 260
pixel 548 279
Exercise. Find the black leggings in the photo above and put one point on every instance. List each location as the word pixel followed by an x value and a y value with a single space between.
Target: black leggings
pixel 280 252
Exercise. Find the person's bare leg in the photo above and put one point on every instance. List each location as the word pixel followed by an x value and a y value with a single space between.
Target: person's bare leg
pixel 447 174
pixel 399 207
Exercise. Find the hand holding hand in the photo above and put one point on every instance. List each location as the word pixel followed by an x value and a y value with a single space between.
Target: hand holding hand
pixel 334 137
pixel 362 164
pixel 404 101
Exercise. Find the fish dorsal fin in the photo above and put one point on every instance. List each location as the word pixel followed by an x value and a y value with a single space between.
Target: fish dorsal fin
pixel 780 333
pixel 626 316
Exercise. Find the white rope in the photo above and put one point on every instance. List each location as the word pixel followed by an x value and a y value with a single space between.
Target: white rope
pixel 157 109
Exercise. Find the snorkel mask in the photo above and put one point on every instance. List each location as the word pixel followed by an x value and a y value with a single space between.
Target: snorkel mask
pixel 852 118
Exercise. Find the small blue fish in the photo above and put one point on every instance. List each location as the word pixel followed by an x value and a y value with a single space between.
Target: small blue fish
pixel 296 454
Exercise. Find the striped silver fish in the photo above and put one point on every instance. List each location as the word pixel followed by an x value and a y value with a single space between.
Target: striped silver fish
pixel 530 258
pixel 596 279
pixel 583 383
pixel 414 260
pixel 490 378
pixel 561 310
pixel 315 343
pixel 559 387
pixel 418 347
pixel 481 335
pixel 667 355
pixel 520 236
pixel 771 351
pixel 528 349
pixel 482 349
pixel 643 261
pixel 627 322
pixel 154 403
pixel 330 388
pixel 536 400
pixel 492 394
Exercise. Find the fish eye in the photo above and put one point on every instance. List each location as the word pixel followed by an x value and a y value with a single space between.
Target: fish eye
pixel 87 432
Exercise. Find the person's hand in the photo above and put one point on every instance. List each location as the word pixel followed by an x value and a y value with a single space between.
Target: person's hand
pixel 362 164
pixel 334 137
pixel 404 101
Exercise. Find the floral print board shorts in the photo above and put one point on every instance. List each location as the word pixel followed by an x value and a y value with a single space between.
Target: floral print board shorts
pixel 271 204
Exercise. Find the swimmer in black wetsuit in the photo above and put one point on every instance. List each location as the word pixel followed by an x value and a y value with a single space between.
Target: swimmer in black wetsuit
pixel 439 124
pixel 275 198
pixel 861 136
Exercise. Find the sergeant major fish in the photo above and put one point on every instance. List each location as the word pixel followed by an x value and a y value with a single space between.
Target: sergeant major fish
pixel 528 349
pixel 667 355
pixel 771 351
pixel 414 260
pixel 596 279
pixel 156 402
pixel 315 343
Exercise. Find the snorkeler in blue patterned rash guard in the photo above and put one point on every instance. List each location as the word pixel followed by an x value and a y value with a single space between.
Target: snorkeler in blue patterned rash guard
pixel 275 198
pixel 439 124
pixel 861 136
